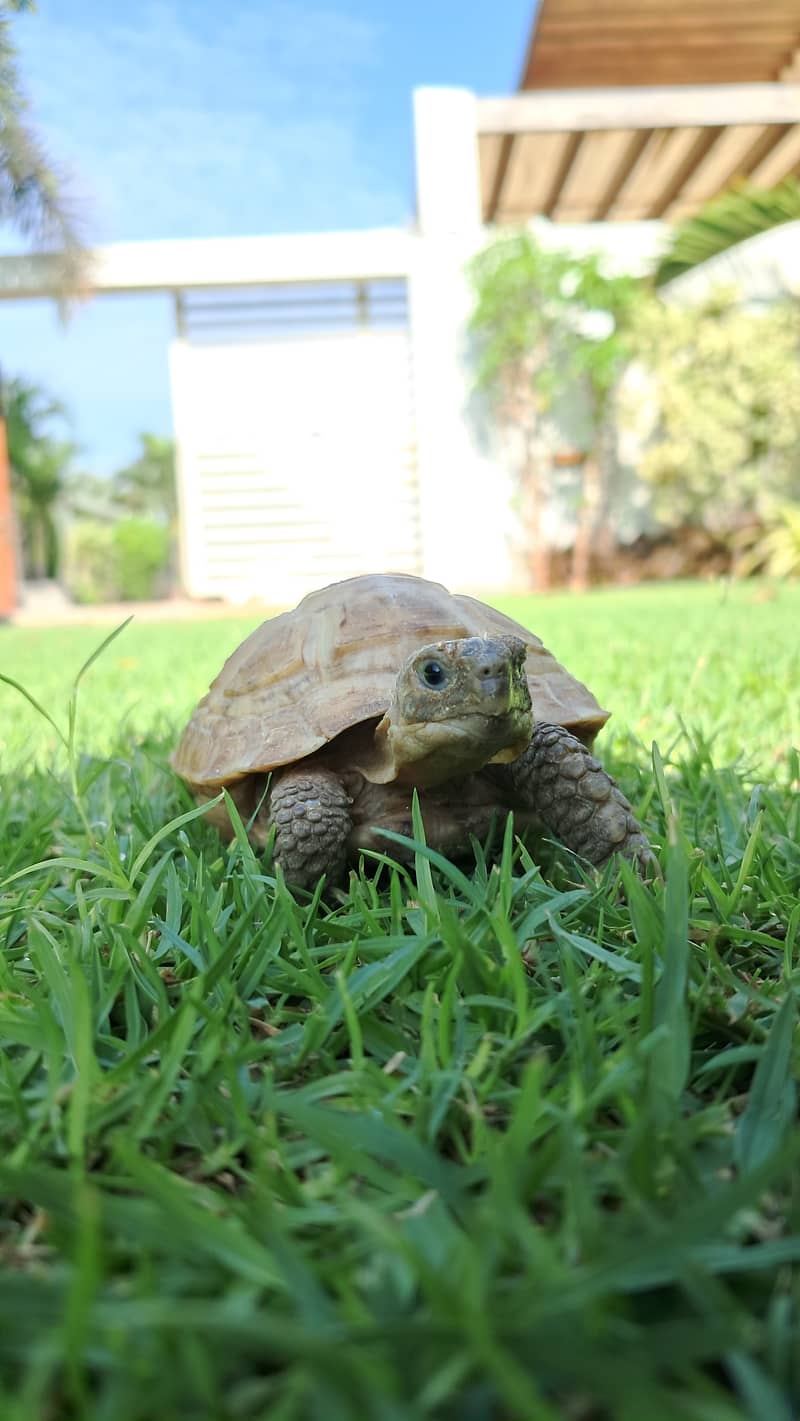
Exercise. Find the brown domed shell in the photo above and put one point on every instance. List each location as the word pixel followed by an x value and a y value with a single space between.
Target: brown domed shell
pixel 303 677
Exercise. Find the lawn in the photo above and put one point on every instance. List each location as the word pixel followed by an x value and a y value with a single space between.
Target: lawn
pixel 495 1146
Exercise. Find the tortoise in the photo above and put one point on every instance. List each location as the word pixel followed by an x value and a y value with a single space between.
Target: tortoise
pixel 386 683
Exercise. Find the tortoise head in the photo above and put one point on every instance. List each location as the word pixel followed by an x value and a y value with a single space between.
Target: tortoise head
pixel 457 706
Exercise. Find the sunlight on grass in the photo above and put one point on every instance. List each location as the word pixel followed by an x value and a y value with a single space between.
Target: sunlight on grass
pixel 481 1141
pixel 723 659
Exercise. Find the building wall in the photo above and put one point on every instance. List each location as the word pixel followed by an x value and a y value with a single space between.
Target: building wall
pixel 311 455
pixel 297 462
pixel 317 457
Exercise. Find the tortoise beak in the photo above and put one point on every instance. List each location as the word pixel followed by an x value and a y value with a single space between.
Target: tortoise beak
pixel 519 695
pixel 518 710
pixel 497 674
pixel 501 670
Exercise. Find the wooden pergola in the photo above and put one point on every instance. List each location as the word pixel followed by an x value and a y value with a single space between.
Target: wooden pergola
pixel 632 110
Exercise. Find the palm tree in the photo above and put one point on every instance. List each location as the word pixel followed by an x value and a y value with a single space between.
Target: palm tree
pixel 32 201
pixel 37 496
pixel 40 467
pixel 32 197
pixel 146 488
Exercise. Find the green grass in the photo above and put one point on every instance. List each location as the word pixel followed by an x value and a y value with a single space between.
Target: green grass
pixel 493 1146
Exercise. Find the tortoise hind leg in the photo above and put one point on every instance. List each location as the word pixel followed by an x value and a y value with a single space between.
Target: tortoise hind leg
pixel 570 792
pixel 309 809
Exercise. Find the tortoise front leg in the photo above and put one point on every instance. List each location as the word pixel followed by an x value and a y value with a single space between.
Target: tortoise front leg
pixel 309 809
pixel 570 792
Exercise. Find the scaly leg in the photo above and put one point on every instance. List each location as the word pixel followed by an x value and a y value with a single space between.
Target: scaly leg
pixel 576 801
pixel 310 811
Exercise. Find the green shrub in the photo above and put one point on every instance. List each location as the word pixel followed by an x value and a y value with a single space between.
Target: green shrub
pixel 141 552
pixel 89 572
pixel 773 545
pixel 111 562
pixel 719 415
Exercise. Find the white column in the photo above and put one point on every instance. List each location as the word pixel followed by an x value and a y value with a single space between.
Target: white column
pixel 446 154
pixel 464 497
pixel 191 545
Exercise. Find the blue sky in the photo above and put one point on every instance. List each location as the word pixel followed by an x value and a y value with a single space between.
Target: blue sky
pixel 208 118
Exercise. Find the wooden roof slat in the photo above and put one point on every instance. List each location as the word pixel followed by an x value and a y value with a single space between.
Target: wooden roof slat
pixel 571 149
pixel 630 163
pixel 666 151
pixel 640 170
pixel 665 69
pixel 690 22
pixel 498 182
pixel 697 153
pixel 588 180
pixel 762 146
pixel 534 162
pixel 653 90
pixel 723 163
pixel 780 157
pixel 604 12
pixel 703 43
pixel 716 46
pixel 782 160
pixel 489 147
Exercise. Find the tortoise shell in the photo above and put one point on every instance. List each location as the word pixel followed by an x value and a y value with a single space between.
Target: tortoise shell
pixel 304 677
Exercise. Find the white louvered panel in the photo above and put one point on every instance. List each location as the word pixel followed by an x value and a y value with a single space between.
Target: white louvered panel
pixel 298 462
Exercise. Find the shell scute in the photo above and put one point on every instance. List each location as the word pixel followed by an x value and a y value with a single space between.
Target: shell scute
pixel 305 676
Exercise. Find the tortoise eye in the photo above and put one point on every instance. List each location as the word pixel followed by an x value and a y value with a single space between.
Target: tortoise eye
pixel 433 674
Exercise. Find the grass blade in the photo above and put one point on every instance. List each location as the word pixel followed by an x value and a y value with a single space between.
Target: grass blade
pixel 671 1059
pixel 770 1109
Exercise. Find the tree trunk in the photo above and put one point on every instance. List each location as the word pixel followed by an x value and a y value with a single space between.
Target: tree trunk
pixel 51 545
pixel 534 496
pixel 593 537
pixel 588 508
pixel 38 568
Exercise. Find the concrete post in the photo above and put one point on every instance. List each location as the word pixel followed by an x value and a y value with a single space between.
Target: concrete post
pixel 446 155
pixel 464 498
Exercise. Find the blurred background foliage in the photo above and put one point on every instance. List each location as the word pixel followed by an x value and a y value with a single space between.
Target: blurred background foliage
pixel 701 397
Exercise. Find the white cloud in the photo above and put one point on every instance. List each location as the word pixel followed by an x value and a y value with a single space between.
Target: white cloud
pixel 187 118
pixel 192 119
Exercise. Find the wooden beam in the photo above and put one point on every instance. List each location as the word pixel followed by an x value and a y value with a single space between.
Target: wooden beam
pixel 697 154
pixel 668 70
pixel 714 50
pixel 183 265
pixel 489 149
pixel 667 106
pixel 528 183
pixel 623 172
pixel 569 155
pixel 629 28
pixel 500 173
pixel 781 162
pixel 664 154
pixel 599 14
pixel 599 156
pixel 720 165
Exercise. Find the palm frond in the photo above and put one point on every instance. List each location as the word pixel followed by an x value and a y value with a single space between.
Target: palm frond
pixel 33 194
pixel 733 217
